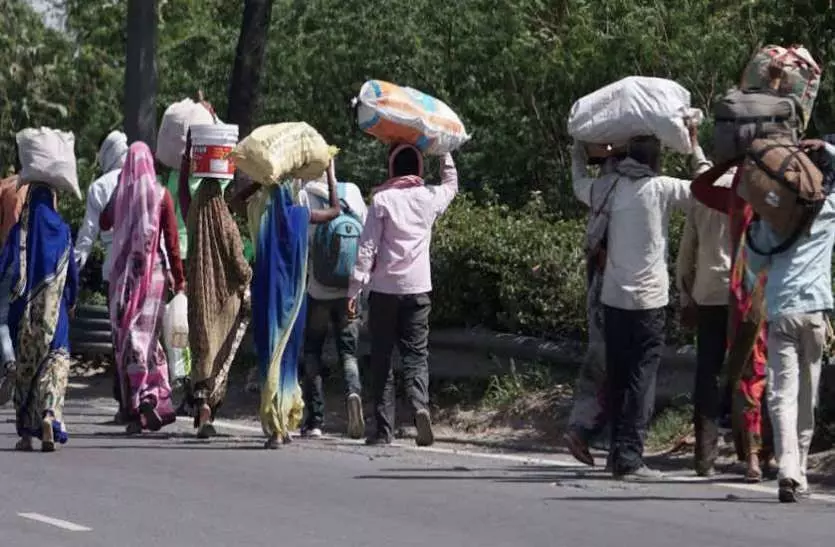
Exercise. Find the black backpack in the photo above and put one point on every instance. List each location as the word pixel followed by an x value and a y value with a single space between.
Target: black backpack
pixel 741 117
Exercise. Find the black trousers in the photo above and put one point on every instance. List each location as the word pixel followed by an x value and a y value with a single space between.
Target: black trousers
pixel 634 344
pixel 402 320
pixel 711 338
pixel 321 314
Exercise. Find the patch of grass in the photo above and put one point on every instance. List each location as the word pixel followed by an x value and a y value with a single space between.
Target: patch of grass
pixel 503 391
pixel 670 427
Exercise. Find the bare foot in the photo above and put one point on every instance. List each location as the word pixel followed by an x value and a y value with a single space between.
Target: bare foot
pixel 754 472
pixel 48 435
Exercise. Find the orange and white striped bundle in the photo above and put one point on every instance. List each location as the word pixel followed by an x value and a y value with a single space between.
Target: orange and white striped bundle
pixel 395 114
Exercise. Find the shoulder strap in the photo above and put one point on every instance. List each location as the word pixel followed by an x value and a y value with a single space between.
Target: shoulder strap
pixel 785 245
pixel 606 198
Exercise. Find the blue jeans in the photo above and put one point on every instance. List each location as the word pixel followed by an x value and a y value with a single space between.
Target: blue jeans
pixel 321 314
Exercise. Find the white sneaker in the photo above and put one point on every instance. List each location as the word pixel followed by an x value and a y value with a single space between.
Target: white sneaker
pixel 314 433
pixel 356 422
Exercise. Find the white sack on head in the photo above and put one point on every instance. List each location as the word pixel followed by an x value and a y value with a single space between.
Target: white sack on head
pixel 632 107
pixel 113 151
pixel 173 130
pixel 48 156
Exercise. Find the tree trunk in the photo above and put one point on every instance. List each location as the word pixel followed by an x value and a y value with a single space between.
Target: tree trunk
pixel 249 60
pixel 141 72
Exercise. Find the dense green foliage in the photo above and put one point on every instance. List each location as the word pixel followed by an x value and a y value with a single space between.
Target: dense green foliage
pixel 511 69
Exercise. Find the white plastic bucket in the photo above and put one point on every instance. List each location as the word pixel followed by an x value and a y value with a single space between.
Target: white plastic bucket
pixel 210 149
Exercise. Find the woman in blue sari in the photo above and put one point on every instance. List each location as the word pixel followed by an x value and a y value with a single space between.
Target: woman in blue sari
pixel 37 265
pixel 279 228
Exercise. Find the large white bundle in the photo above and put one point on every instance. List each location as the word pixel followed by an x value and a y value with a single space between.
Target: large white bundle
pixel 632 107
pixel 48 156
pixel 173 130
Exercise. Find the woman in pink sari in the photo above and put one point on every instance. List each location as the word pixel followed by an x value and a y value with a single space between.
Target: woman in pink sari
pixel 140 212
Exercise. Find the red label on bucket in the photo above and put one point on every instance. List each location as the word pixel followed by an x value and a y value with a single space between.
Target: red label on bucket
pixel 212 160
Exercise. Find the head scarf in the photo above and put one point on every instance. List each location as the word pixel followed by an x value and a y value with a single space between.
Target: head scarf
pixel 136 213
pixel 113 151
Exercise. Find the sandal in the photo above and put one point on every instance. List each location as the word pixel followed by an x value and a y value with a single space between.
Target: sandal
pixel 272 443
pixel 152 420
pixel 753 473
pixel 578 448
pixel 205 427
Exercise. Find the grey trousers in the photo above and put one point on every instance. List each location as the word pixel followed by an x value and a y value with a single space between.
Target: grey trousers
pixel 795 354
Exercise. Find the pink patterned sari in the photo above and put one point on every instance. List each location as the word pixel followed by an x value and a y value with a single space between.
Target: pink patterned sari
pixel 137 287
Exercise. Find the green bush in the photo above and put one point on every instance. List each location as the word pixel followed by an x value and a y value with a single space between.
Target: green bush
pixel 518 271
pixel 509 270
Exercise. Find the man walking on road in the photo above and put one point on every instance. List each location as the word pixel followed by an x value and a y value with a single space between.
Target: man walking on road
pixel 394 263
pixel 332 251
pixel 635 290
pixel 798 297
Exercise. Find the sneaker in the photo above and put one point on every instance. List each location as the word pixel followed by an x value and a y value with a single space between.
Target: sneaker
pixel 423 423
pixel 578 448
pixel 643 473
pixel 356 422
pixel 312 433
pixel 787 491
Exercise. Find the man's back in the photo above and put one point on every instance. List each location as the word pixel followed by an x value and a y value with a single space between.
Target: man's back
pixel 398 234
pixel 636 275
pixel 799 279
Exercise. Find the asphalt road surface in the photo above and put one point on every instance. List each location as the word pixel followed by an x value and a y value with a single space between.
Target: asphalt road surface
pixel 169 489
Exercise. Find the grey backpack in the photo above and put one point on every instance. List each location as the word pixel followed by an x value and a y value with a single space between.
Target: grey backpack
pixel 743 116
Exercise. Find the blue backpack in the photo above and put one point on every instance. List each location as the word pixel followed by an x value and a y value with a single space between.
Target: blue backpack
pixel 335 246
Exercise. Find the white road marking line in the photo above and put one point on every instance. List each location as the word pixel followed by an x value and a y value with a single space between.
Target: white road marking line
pixel 771 490
pixel 227 425
pixel 65 524
pixel 567 463
pixel 77 385
pixel 488 455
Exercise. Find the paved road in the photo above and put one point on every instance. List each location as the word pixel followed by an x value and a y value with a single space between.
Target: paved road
pixel 172 490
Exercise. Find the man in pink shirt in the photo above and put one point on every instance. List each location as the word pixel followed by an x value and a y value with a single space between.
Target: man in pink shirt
pixel 393 264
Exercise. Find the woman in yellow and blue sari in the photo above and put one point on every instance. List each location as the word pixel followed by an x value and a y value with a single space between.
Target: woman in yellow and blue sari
pixel 279 229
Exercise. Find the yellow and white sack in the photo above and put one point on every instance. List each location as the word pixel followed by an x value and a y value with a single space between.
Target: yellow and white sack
pixel 274 152
pixel 48 156
pixel 173 130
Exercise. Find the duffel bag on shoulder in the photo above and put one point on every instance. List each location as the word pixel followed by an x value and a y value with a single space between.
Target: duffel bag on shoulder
pixel 784 187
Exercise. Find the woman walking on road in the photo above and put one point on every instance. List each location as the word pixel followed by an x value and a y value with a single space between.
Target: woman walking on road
pixel 140 212
pixel 219 296
pixel 41 282
pixel 279 228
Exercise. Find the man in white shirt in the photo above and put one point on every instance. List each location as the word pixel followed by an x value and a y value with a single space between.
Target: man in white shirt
pixel 635 289
pixel 326 306
pixel 111 158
